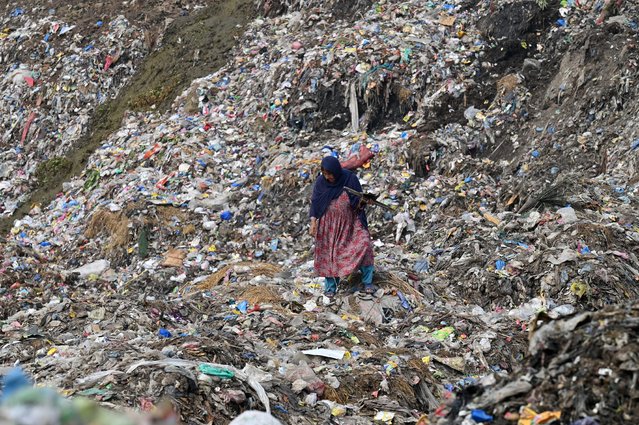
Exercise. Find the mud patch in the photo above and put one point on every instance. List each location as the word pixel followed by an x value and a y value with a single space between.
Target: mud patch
pixel 48 171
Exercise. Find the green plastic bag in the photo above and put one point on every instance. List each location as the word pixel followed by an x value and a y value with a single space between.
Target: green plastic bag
pixel 216 371
pixel 443 333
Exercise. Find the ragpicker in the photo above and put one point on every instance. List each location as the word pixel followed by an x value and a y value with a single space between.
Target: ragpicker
pixel 340 228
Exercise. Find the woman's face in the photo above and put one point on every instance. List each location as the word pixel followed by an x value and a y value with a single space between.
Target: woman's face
pixel 328 176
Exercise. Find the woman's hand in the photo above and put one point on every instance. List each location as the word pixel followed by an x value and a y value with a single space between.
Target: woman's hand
pixel 313 230
pixel 362 203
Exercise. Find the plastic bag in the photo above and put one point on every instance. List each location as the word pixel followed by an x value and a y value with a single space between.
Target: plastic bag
pixel 356 159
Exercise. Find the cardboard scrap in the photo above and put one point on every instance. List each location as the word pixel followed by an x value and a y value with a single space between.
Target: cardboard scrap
pixel 174 258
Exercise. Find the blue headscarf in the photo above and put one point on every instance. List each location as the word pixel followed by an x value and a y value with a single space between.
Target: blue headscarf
pixel 324 192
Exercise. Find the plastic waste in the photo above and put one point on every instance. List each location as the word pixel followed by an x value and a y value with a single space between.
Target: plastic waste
pixel 216 371
pixel 568 215
pixel 95 268
pixel 443 333
pixel 252 417
pixel 13 382
pixel 358 158
pixel 323 352
pixel 480 416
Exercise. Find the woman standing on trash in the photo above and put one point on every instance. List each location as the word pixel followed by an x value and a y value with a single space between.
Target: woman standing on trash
pixel 340 229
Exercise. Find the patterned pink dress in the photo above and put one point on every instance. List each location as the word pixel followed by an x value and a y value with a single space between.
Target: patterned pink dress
pixel 342 244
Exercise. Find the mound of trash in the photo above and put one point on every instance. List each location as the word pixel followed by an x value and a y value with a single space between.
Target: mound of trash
pixel 253 337
pixel 580 370
pixel 57 74
pixel 177 266
pixel 64 67
pixel 22 404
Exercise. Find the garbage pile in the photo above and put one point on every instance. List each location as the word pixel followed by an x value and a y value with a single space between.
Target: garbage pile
pixel 260 341
pixel 59 66
pixel 333 8
pixel 596 350
pixel 22 404
pixel 396 62
pixel 501 199
pixel 178 265
pixel 48 96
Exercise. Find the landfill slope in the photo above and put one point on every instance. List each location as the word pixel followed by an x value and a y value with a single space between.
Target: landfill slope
pixel 141 56
pixel 177 265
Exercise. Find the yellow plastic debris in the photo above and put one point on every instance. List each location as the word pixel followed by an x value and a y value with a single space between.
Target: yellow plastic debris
pixel 579 288
pixel 546 417
pixel 338 411
pixel 528 416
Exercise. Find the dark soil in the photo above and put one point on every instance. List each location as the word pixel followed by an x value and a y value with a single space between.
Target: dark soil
pixel 341 9
pixel 515 31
